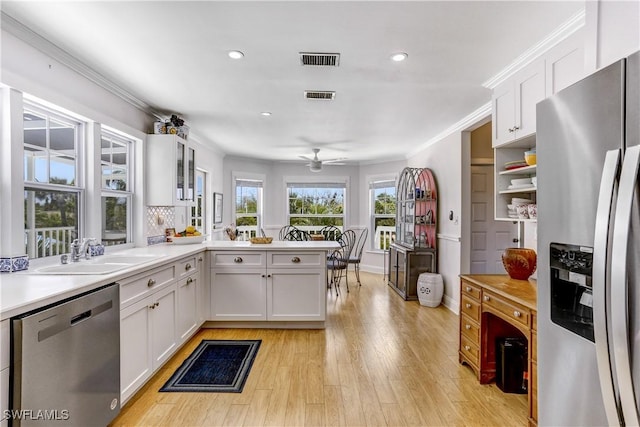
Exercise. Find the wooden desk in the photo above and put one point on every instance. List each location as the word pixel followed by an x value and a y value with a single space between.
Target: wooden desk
pixel 494 306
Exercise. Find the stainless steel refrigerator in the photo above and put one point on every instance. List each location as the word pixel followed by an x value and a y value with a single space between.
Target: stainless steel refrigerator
pixel 588 151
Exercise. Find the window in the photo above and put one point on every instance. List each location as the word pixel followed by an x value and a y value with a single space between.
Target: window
pixel 199 209
pixel 52 191
pixel 248 207
pixel 314 205
pixel 115 165
pixel 383 213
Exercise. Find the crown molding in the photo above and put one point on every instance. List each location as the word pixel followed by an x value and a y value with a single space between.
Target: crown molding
pixel 27 35
pixel 470 120
pixel 572 25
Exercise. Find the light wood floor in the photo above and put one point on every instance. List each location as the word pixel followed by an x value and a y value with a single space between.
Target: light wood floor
pixel 380 361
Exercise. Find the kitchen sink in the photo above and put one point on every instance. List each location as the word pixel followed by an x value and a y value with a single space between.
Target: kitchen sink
pixel 99 265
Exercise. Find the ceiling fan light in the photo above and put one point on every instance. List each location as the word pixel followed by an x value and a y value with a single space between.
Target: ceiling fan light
pixel 315 166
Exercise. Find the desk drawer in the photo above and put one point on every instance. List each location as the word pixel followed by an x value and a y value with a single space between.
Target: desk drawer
pixel 470 329
pixel 471 308
pixel 513 311
pixel 238 259
pixel 470 350
pixel 470 290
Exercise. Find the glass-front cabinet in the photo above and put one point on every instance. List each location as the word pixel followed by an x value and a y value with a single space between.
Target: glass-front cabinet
pixel 416 209
pixel 414 250
pixel 170 171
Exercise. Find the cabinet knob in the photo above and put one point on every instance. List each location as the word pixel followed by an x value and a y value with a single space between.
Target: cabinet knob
pixel 468 288
pixel 295 259
pixel 466 347
pixel 515 128
pixel 511 130
pixel 189 281
pixel 487 298
pixel 517 313
pixel 154 305
pixel 200 259
pixel 467 326
pixel 237 259
pixel 151 282
pixel 188 267
pixel 467 305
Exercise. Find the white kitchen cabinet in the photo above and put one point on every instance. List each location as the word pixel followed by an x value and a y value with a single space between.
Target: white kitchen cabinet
pixel 187 306
pixel 508 153
pixel 170 171
pixel 4 371
pixel 564 63
pixel 296 286
pixel 203 292
pixel 268 286
pixel 147 338
pixel 514 104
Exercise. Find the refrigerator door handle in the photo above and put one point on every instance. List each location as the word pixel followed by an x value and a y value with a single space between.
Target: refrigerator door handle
pixel 601 284
pixel 619 290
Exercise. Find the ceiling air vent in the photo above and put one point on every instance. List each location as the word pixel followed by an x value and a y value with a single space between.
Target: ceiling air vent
pixel 319 59
pixel 319 94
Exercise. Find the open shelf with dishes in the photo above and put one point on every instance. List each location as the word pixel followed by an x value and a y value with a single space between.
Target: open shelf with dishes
pixel 516 181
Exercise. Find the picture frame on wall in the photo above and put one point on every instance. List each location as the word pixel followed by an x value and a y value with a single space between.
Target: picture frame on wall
pixel 217 208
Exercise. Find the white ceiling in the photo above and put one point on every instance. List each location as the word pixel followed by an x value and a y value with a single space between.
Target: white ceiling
pixel 173 56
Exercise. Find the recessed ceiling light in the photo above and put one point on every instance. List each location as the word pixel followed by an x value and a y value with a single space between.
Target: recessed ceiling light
pixel 235 54
pixel 266 113
pixel 400 56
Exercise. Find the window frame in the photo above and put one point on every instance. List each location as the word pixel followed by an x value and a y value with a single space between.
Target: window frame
pixel 240 177
pixel 376 183
pixel 78 189
pixel 325 182
pixel 127 193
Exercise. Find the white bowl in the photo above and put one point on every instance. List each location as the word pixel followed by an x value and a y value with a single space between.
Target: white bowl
pixel 521 181
pixel 187 240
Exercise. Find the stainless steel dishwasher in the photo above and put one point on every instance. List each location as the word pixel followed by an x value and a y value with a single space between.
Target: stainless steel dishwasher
pixel 66 362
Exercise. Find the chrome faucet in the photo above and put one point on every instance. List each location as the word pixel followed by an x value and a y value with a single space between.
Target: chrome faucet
pixel 81 249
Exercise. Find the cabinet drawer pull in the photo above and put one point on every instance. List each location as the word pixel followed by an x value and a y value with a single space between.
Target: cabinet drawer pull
pixel 487 298
pixel 151 282
pixel 467 305
pixel 466 347
pixel 295 259
pixel 467 326
pixel 188 267
pixel 517 313
pixel 237 259
pixel 468 288
pixel 189 281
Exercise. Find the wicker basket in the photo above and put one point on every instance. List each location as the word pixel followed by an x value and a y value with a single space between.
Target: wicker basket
pixel 261 240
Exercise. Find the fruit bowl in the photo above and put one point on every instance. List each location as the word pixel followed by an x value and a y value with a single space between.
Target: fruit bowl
pixel 520 263
pixel 187 240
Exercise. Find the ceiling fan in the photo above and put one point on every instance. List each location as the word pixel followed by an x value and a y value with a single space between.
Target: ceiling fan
pixel 315 164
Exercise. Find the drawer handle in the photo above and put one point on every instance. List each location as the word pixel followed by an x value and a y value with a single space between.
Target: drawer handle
pixel 295 259
pixel 467 305
pixel 237 259
pixel 188 267
pixel 466 347
pixel 151 282
pixel 468 288
pixel 487 297
pixel 189 281
pixel 467 326
pixel 517 313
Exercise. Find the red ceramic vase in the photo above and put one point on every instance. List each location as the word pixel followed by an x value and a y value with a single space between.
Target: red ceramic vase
pixel 520 263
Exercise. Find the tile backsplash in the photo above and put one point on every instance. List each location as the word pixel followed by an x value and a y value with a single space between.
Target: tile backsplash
pixel 158 219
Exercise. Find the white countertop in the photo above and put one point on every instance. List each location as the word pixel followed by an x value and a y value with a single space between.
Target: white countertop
pixel 25 291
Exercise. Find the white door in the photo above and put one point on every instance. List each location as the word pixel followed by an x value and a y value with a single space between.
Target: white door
pixel 489 238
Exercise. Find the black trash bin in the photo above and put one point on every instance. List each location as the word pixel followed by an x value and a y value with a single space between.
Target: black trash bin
pixel 511 365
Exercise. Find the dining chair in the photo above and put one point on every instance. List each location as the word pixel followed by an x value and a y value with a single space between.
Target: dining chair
pixel 356 255
pixel 338 260
pixel 295 234
pixel 330 232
